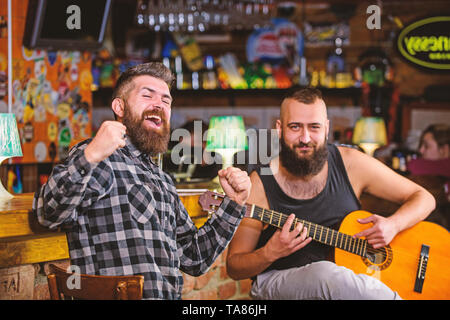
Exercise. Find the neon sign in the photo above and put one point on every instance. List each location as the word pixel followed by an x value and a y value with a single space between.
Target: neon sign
pixel 427 43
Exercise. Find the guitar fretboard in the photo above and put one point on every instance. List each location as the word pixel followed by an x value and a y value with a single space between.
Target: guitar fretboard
pixel 317 232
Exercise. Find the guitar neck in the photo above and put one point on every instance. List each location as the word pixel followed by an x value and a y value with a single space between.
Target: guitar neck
pixel 317 232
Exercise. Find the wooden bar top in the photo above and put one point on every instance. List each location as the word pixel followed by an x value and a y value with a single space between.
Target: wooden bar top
pixel 19 203
pixel 15 216
pixel 16 219
pixel 24 241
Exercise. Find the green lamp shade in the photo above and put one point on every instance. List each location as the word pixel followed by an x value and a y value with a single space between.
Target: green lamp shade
pixel 9 136
pixel 370 130
pixel 9 145
pixel 226 132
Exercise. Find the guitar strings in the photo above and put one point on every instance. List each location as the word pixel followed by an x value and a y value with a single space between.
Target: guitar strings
pixel 355 242
pixel 369 249
pixel 316 226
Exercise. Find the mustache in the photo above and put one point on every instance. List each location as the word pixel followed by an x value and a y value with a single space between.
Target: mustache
pixel 302 145
pixel 156 112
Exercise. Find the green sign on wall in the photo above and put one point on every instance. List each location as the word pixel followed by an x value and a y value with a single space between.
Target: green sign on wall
pixel 427 43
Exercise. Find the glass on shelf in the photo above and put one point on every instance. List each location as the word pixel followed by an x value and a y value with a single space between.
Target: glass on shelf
pixel 201 15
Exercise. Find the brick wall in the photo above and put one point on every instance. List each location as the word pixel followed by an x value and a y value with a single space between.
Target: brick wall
pixel 29 282
pixel 215 284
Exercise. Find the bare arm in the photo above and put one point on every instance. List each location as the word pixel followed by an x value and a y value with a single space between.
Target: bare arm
pixel 369 175
pixel 243 261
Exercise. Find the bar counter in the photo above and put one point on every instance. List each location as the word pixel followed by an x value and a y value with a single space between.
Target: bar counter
pixel 27 248
pixel 24 241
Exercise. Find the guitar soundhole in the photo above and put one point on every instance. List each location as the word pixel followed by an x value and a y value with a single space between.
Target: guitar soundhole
pixel 378 259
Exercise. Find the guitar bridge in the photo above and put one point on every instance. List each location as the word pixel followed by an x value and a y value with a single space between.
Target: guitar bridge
pixel 421 268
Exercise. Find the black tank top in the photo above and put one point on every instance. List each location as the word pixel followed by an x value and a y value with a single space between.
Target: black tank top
pixel 328 208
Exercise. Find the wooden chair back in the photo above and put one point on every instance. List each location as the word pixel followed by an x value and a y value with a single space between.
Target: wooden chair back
pixel 92 287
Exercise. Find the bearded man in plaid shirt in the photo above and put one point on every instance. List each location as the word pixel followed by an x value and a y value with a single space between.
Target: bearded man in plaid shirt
pixel 121 212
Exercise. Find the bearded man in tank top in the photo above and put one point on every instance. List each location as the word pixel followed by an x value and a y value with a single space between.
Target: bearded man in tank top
pixel 320 183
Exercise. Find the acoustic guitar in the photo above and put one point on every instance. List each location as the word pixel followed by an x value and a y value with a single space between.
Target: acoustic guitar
pixel 416 263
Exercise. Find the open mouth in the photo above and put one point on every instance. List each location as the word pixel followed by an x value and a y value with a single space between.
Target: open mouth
pixel 153 120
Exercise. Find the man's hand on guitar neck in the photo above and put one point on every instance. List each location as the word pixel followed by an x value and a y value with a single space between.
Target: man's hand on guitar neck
pixel 285 242
pixel 236 184
pixel 381 233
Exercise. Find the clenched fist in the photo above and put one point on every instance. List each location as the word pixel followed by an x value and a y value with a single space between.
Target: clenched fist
pixel 109 137
pixel 236 184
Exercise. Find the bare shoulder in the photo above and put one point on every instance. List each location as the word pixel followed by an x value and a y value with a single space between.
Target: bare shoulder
pixel 257 194
pixel 367 174
pixel 350 156
pixel 358 166
pixel 358 162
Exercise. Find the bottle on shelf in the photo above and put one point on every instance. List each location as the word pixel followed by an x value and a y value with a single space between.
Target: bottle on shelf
pixel 400 158
pixel 209 77
pixel 167 63
pixel 183 78
pixel 303 80
pixel 195 81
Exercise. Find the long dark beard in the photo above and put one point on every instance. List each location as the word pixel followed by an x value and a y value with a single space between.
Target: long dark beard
pixel 303 166
pixel 148 142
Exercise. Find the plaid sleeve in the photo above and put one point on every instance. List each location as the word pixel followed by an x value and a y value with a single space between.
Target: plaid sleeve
pixel 75 183
pixel 199 248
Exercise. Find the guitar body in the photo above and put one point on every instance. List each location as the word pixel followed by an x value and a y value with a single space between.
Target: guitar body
pixel 416 264
pixel 397 265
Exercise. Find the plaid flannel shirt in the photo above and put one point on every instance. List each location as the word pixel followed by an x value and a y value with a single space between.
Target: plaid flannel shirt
pixel 123 216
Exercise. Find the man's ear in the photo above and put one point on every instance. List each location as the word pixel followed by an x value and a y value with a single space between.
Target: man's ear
pixel 118 106
pixel 278 127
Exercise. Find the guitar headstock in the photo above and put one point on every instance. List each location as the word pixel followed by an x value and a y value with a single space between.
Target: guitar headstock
pixel 210 201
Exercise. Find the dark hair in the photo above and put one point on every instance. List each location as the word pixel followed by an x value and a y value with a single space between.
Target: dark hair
pixel 153 69
pixel 440 133
pixel 307 95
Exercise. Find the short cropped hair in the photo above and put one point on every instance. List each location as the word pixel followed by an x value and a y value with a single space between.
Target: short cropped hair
pixel 306 95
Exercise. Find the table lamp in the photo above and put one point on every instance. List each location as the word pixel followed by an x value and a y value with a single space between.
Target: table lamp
pixel 370 134
pixel 226 136
pixel 9 144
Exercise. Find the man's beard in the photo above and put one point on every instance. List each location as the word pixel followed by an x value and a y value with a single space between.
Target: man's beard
pixel 303 166
pixel 147 141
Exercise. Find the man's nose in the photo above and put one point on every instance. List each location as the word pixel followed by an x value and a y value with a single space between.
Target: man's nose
pixel 157 104
pixel 304 136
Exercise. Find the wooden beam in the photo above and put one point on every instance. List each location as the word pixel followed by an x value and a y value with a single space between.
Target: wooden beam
pixel 14 224
pixel 33 249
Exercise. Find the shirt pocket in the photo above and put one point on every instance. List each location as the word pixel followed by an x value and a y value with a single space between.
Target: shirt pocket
pixel 143 206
